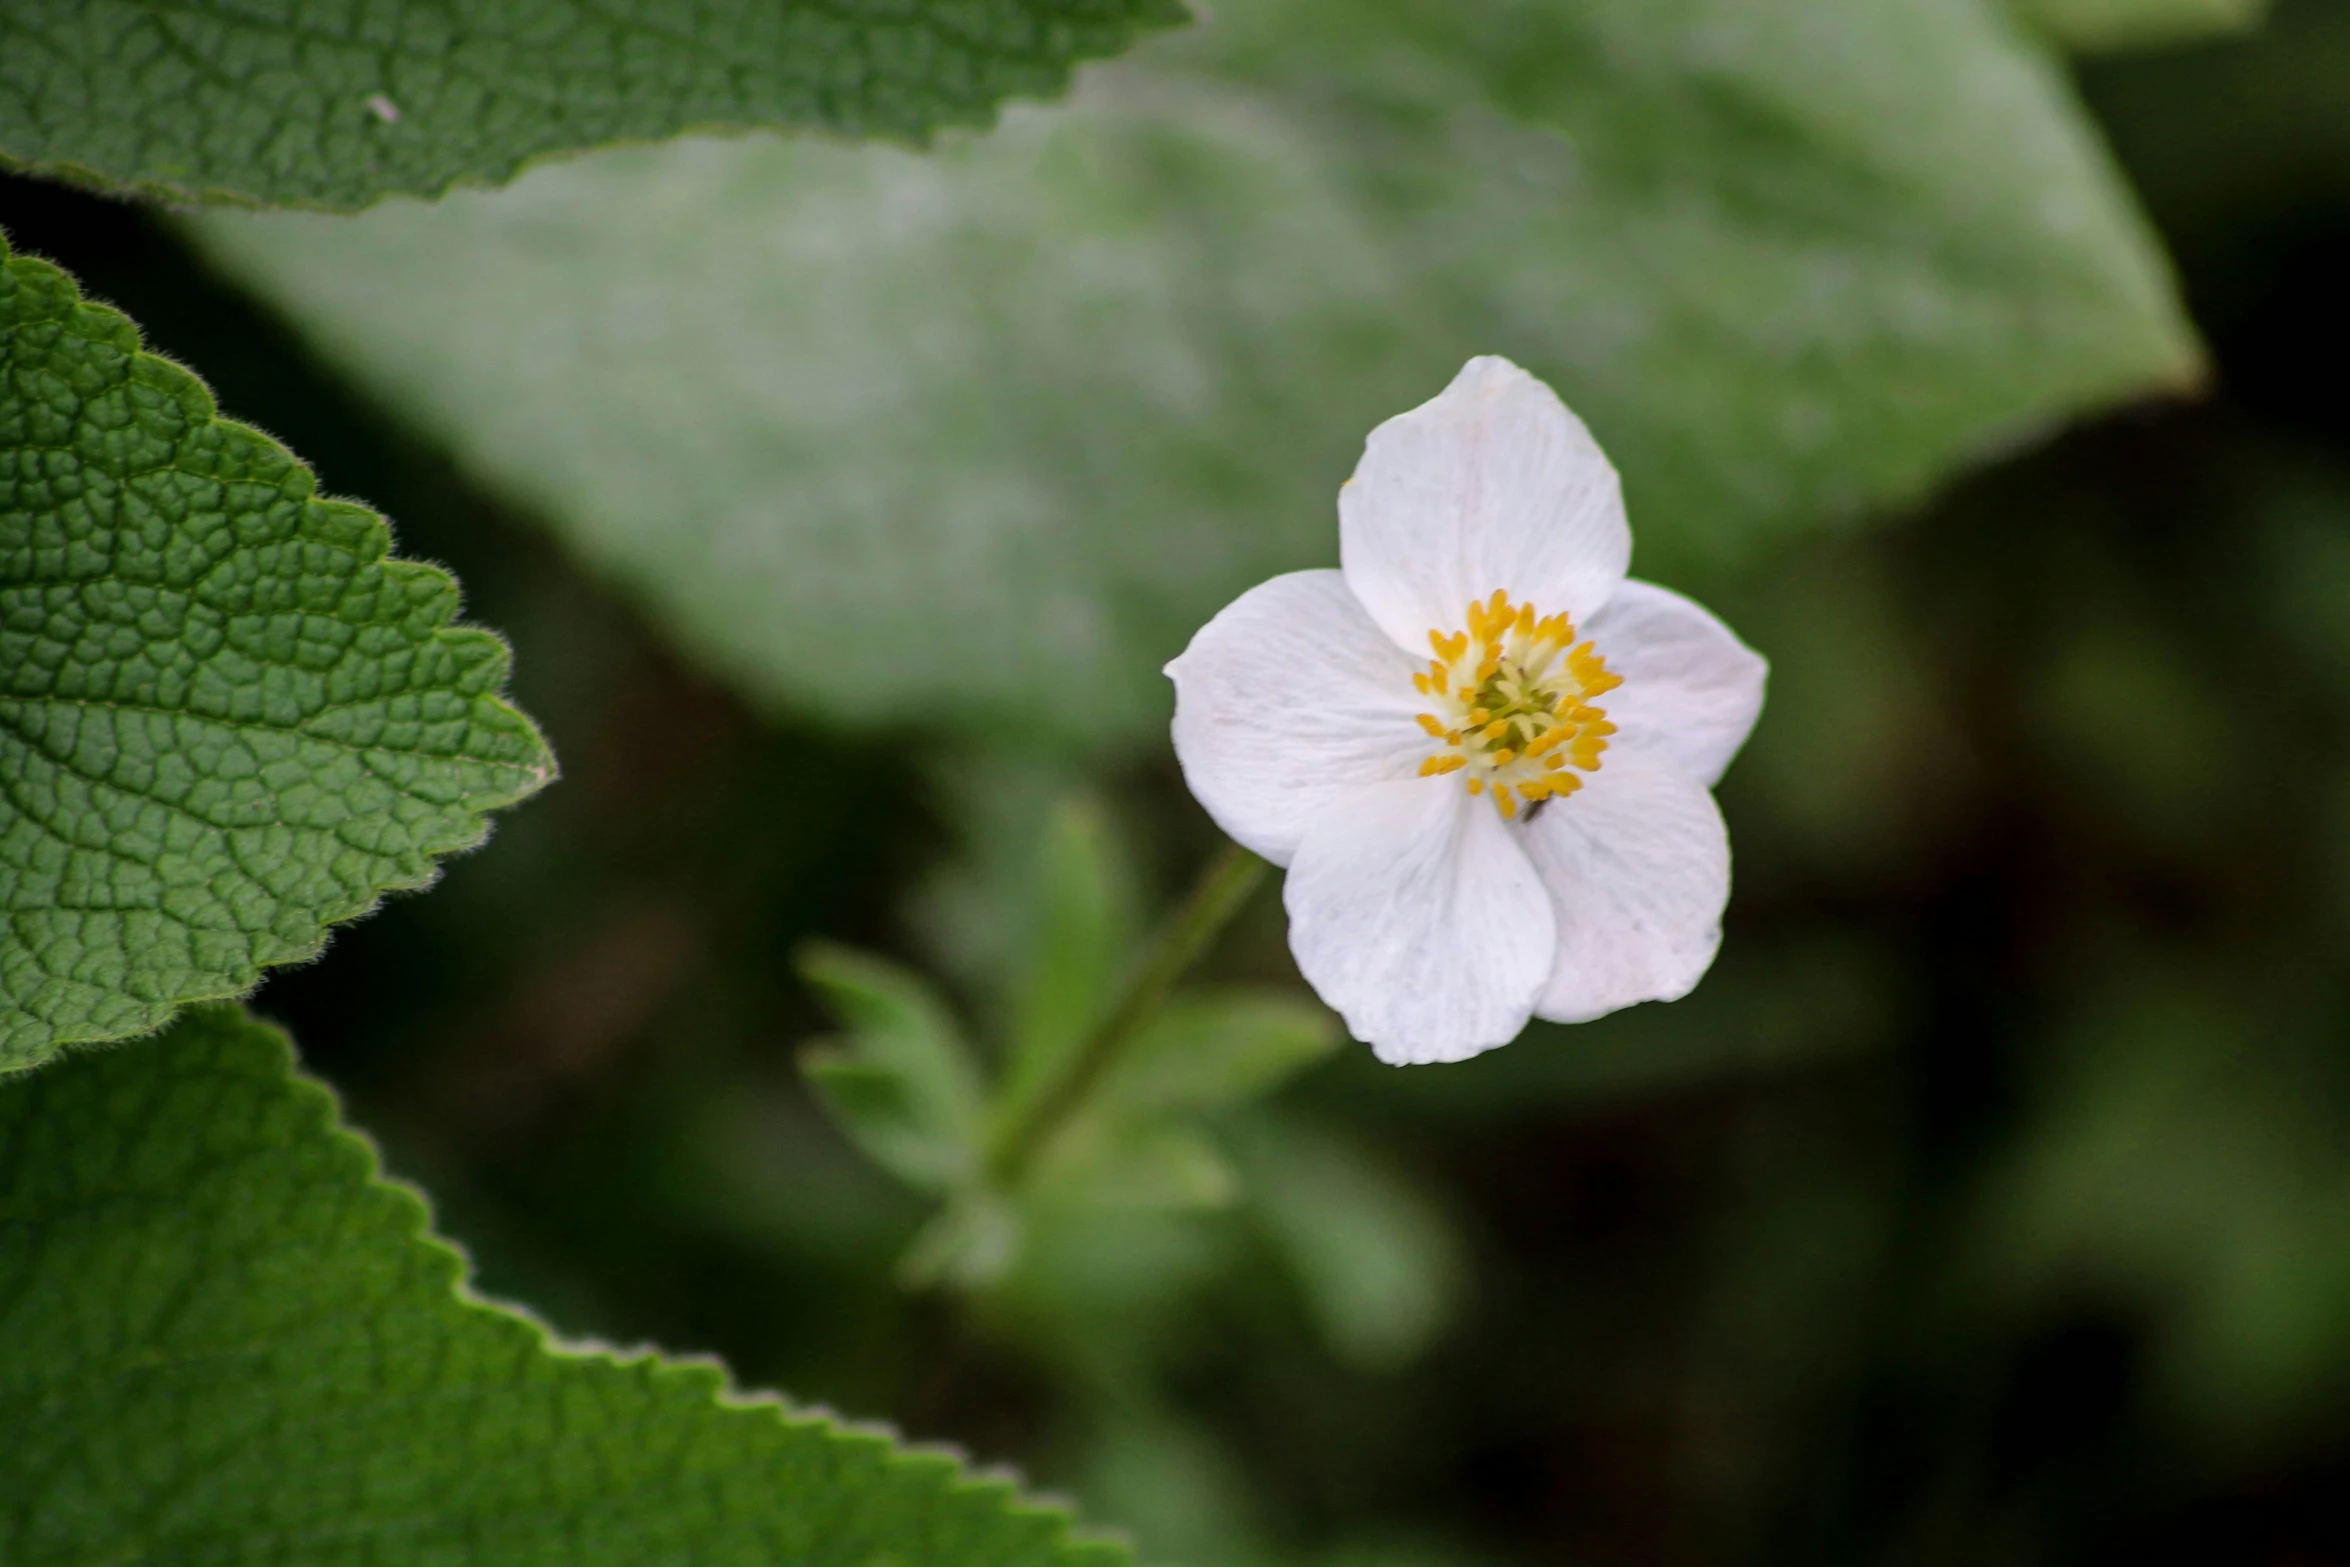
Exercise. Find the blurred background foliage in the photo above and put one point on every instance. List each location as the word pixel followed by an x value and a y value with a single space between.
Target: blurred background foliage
pixel 1990 1201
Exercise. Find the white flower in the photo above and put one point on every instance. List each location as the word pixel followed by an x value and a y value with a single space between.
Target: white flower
pixel 1484 755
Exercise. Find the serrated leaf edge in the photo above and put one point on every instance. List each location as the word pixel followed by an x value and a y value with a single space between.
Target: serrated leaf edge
pixel 168 374
pixel 1163 17
pixel 961 1476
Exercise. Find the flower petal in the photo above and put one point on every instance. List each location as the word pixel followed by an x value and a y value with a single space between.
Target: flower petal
pixel 1690 686
pixel 1637 864
pixel 1492 484
pixel 1414 915
pixel 1287 699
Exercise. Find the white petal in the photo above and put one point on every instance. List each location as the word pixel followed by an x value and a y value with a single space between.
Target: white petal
pixel 1492 484
pixel 1415 916
pixel 1691 688
pixel 1637 864
pixel 1287 699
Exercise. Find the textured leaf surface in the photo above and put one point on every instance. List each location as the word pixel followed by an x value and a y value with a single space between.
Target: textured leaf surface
pixel 227 719
pixel 1019 417
pixel 230 1342
pixel 333 103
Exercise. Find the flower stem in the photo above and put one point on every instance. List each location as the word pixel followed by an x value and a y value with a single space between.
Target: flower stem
pixel 1218 894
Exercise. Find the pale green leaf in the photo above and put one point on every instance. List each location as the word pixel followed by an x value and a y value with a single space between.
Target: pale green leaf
pixel 1220 1047
pixel 1375 1262
pixel 970 1243
pixel 1122 1164
pixel 2128 24
pixel 227 718
pixel 1013 420
pixel 902 1083
pixel 229 1342
pixel 1081 943
pixel 329 103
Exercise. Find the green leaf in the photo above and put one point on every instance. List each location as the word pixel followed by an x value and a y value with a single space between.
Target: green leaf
pixel 1374 1260
pixel 902 1084
pixel 1081 944
pixel 1020 416
pixel 2126 24
pixel 970 1243
pixel 228 1340
pixel 1220 1047
pixel 227 718
pixel 1109 1163
pixel 329 105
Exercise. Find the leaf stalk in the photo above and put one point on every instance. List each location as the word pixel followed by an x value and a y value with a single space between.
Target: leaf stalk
pixel 1218 895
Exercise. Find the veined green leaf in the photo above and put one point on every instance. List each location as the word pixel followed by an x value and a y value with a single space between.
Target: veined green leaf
pixel 1015 419
pixel 229 1341
pixel 324 103
pixel 2125 24
pixel 227 719
pixel 902 1083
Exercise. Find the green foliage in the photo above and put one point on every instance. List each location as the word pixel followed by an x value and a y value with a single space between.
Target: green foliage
pixel 2158 1167
pixel 227 1333
pixel 1225 1049
pixel 1082 942
pixel 1020 416
pixel 227 719
pixel 2122 24
pixel 1373 1260
pixel 320 104
pixel 902 1082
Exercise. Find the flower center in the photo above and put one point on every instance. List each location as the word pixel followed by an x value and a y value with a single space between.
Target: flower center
pixel 1513 698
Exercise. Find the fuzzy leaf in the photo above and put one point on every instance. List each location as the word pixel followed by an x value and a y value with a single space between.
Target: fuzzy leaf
pixel 1018 417
pixel 227 718
pixel 327 103
pixel 228 1340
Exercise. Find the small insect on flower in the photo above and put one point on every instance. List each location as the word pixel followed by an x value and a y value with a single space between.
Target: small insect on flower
pixel 1484 754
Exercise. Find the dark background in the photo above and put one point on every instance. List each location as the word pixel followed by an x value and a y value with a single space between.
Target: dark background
pixel 1991 1201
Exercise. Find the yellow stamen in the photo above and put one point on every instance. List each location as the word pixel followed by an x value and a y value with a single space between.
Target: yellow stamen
pixel 1524 688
